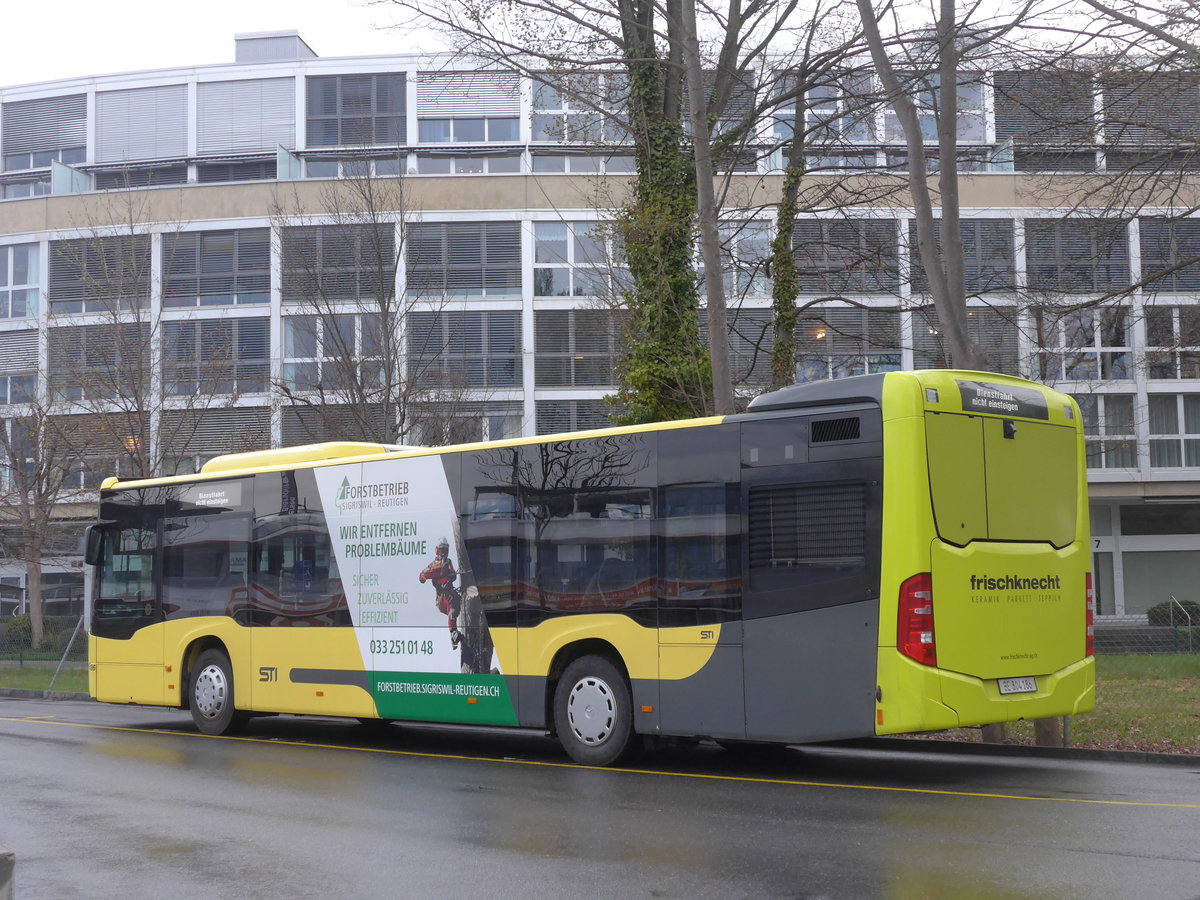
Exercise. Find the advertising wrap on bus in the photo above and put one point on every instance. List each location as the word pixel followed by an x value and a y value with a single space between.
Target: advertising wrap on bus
pixel 408 592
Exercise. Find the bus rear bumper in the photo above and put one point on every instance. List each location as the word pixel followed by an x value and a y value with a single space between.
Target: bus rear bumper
pixel 966 700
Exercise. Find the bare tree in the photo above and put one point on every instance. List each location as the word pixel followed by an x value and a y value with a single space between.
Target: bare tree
pixel 106 355
pixel 38 462
pixel 368 357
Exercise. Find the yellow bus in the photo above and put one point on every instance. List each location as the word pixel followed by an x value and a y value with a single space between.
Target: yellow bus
pixel 875 555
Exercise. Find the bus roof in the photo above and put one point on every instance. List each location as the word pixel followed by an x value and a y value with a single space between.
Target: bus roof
pixel 315 455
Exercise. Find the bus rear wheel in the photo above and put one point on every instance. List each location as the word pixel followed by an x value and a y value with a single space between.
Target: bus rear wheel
pixel 593 712
pixel 210 695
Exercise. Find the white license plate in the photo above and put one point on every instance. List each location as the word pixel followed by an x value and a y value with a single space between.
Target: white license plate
pixel 1018 685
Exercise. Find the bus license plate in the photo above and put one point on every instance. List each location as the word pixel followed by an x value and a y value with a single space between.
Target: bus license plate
pixel 1018 685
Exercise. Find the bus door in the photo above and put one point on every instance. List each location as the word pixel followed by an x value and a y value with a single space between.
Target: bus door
pixel 127 652
pixel 812 503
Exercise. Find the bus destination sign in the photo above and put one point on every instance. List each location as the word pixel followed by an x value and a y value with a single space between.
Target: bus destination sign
pixel 1002 400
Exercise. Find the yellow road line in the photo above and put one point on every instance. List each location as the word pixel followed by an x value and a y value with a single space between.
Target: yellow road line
pixel 614 771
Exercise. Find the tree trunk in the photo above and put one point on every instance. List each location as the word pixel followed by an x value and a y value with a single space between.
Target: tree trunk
pixel 949 300
pixel 33 597
pixel 784 287
pixel 706 204
pixel 995 734
pixel 1048 732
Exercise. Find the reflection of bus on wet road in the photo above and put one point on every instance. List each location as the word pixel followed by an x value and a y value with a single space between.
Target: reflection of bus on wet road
pixel 876 555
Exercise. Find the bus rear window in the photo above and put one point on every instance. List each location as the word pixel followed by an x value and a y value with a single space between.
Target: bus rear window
pixel 1002 479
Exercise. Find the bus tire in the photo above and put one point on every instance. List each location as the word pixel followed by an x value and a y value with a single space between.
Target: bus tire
pixel 210 695
pixel 593 712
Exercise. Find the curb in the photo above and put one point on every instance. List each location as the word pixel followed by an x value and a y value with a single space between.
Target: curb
pixel 918 745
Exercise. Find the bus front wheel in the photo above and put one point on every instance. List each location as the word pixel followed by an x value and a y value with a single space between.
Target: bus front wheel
pixel 211 695
pixel 593 712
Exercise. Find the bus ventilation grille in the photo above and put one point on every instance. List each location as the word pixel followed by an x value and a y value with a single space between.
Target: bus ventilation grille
pixel 835 430
pixel 808 525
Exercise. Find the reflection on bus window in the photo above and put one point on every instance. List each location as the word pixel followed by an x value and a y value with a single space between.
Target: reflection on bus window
pixel 595 551
pixel 701 582
pixel 294 576
pixel 203 564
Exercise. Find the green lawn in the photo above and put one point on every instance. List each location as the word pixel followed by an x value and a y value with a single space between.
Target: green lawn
pixel 1149 703
pixel 35 676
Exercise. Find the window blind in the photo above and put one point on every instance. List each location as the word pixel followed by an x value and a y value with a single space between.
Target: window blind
pixel 143 123
pixel 246 116
pixel 468 94
pixel 52 123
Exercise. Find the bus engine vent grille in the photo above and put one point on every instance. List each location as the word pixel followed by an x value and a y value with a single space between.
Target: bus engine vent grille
pixel 825 430
pixel 808 525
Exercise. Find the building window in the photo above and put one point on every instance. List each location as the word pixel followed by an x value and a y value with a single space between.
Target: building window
pixel 18 388
pixel 219 356
pixel 100 362
pixel 355 166
pixel 836 257
pixel 1108 430
pixel 99 274
pixel 577 347
pixel 1083 345
pixel 441 424
pixel 139 176
pixel 1174 430
pixel 464 259
pixel 923 91
pixel 1045 114
pixel 1076 256
pixel 356 110
pixel 39 132
pixel 582 164
pixel 989 255
pixel 573 259
pixel 1173 248
pixel 1173 341
pixel 328 263
pixel 557 416
pixel 751 343
pixel 251 170
pixel 834 342
pixel 994 330
pixel 18 281
pixel 25 187
pixel 217 268
pixel 580 108
pixel 745 252
pixel 331 352
pixel 469 164
pixel 837 113
pixel 469 130
pixel 1151 109
pixel 465 349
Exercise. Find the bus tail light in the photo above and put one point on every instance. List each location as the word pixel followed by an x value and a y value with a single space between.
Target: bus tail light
pixel 914 625
pixel 1090 619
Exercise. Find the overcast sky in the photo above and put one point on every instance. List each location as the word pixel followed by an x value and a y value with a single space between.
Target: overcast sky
pixel 45 40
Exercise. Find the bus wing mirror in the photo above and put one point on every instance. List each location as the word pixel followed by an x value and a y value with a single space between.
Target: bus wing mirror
pixel 93 544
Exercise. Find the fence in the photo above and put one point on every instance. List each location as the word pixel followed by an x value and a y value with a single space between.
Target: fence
pixel 63 639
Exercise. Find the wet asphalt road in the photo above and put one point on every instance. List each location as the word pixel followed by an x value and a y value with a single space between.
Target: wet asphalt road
pixel 124 802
